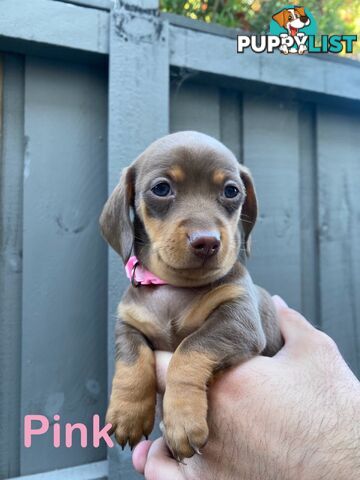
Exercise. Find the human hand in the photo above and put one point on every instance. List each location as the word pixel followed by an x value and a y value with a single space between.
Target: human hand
pixel 293 416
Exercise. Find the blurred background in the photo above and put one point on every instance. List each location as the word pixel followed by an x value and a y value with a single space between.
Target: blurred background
pixel 85 86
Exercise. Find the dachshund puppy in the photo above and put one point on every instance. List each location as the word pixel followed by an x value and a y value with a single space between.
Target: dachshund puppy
pixel 180 218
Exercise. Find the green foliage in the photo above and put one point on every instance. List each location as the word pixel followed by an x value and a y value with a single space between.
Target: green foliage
pixel 333 16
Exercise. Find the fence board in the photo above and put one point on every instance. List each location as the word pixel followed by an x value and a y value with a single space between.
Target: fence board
pixel 55 23
pixel 231 121
pixel 271 151
pixel 208 109
pixel 195 107
pixel 64 278
pixel 11 201
pixel 89 471
pixel 339 217
pixel 310 288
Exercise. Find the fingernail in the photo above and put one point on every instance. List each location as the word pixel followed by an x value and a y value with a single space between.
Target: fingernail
pixel 279 302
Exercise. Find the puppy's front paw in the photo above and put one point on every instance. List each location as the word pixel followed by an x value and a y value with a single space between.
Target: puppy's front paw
pixel 131 416
pixel 184 425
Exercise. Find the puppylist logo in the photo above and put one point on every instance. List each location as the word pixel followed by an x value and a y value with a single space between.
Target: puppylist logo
pixel 292 30
pixel 294 26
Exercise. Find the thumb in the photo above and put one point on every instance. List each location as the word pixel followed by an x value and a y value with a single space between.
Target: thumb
pixel 162 360
pixel 295 329
pixel 160 465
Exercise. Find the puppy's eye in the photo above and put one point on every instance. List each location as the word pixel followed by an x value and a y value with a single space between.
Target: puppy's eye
pixel 230 191
pixel 161 189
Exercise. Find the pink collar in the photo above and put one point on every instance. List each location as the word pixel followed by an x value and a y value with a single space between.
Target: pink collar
pixel 138 275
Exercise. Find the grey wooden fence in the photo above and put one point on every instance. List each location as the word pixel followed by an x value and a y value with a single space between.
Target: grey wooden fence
pixel 67 130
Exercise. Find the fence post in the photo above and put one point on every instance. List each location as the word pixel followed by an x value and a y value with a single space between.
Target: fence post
pixel 11 234
pixel 138 114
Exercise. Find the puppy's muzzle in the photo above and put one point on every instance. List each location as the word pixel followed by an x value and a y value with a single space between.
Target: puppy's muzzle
pixel 204 244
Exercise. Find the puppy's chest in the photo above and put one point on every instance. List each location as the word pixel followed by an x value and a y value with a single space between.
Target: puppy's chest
pixel 164 314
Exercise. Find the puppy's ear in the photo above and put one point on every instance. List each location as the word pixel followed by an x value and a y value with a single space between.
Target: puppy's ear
pixel 281 18
pixel 116 225
pixel 250 207
pixel 300 11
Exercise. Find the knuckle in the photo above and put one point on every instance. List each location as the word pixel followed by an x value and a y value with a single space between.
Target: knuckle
pixel 291 314
pixel 199 429
pixel 327 343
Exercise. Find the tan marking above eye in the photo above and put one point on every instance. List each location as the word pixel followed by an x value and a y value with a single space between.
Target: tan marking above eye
pixel 219 177
pixel 176 173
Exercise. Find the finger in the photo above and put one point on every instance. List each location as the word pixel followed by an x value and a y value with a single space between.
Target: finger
pixel 279 302
pixel 297 332
pixel 293 325
pixel 160 465
pixel 162 360
pixel 291 321
pixel 140 454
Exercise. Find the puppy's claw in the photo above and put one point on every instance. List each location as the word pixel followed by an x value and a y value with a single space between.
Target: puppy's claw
pixel 196 450
pixel 179 460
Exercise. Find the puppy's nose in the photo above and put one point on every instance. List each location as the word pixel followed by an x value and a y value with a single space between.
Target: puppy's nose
pixel 205 244
pixel 304 19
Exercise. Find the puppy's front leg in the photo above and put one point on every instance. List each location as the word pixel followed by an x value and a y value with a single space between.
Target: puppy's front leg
pixel 131 409
pixel 232 333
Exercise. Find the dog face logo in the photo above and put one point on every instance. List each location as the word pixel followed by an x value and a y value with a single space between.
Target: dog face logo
pixel 293 23
pixel 292 19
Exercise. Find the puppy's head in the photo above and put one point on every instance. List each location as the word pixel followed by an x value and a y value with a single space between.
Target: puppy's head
pixel 294 17
pixel 185 207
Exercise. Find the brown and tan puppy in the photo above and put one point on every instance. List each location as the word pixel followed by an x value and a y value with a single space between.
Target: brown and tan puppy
pixel 185 208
